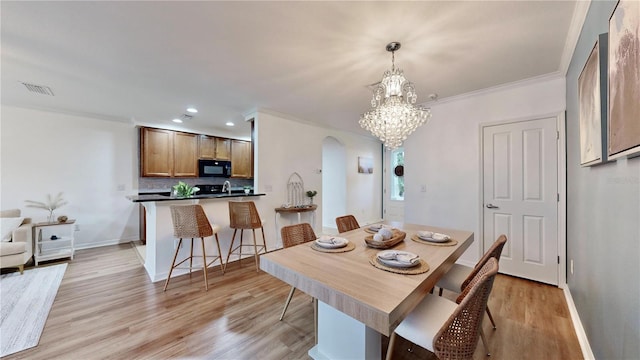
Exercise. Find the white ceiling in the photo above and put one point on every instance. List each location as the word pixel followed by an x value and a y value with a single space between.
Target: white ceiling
pixel 145 62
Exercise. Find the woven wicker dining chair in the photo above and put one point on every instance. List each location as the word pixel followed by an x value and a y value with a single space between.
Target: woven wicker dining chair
pixel 347 223
pixel 243 215
pixel 457 278
pixel 293 235
pixel 446 328
pixel 190 221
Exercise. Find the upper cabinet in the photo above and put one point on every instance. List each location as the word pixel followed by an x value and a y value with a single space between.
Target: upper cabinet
pixel 211 147
pixel 166 153
pixel 223 149
pixel 241 159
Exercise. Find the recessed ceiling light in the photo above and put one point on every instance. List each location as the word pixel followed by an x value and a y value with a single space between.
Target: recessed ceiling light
pixel 177 121
pixel 192 110
pixel 229 123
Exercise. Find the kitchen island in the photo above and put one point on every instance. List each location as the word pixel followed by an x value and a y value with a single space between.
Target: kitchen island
pixel 160 242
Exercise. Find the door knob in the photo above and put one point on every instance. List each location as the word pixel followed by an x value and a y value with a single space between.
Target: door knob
pixel 491 206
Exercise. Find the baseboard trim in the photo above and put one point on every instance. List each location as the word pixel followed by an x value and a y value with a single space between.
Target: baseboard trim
pixel 577 325
pixel 82 246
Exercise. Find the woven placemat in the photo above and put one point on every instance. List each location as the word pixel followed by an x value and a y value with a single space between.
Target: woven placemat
pixel 451 242
pixel 350 246
pixel 418 269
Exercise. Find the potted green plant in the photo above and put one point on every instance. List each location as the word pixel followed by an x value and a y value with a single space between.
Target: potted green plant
pixel 247 189
pixel 311 194
pixel 184 190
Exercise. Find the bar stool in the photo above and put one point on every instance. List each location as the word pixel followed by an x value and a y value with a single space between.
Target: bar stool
pixel 244 215
pixel 190 221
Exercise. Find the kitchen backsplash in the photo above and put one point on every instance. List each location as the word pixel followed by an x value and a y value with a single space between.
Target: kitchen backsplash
pixel 149 184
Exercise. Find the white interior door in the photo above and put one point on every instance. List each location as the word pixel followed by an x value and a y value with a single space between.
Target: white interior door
pixel 393 199
pixel 521 196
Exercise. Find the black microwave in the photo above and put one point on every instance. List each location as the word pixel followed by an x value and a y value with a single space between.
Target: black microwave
pixel 210 168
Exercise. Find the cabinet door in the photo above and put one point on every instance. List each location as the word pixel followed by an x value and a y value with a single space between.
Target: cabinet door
pixel 207 147
pixel 223 149
pixel 185 150
pixel 157 152
pixel 240 159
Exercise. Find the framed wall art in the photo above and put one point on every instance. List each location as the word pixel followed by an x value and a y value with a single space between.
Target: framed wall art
pixel 624 80
pixel 365 165
pixel 592 98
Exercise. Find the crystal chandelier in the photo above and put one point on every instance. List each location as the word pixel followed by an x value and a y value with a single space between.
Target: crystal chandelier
pixel 393 115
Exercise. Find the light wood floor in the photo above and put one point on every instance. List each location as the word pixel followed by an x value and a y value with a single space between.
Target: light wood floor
pixel 107 308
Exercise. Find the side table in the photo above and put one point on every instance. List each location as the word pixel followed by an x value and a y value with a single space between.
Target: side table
pixel 53 240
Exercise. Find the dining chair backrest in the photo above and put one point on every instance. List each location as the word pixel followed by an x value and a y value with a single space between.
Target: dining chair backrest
pixel 190 221
pixel 495 251
pixel 347 223
pixel 297 234
pixel 244 215
pixel 458 336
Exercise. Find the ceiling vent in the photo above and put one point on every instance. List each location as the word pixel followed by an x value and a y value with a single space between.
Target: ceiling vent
pixel 38 89
pixel 186 117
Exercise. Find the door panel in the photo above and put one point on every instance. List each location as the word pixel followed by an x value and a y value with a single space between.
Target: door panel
pixel 520 196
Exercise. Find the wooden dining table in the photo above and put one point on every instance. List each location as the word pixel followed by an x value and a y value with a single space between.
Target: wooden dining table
pixel 357 301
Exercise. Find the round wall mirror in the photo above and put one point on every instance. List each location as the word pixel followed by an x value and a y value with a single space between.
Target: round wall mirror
pixel 399 170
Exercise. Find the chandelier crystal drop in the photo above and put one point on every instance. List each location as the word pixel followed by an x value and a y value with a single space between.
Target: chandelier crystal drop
pixel 394 115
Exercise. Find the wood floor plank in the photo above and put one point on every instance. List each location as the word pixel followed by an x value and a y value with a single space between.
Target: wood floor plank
pixel 107 308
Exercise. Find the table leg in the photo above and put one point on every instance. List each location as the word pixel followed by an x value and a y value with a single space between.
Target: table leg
pixel 342 337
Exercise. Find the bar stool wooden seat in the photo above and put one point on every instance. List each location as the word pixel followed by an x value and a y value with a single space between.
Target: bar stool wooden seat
pixel 190 221
pixel 243 215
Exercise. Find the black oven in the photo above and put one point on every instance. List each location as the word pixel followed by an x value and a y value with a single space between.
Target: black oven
pixel 209 168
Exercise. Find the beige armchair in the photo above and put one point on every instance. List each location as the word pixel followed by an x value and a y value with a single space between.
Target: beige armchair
pixel 19 250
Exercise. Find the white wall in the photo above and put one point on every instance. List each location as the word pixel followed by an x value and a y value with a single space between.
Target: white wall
pixel 87 159
pixel 444 154
pixel 284 146
pixel 603 224
pixel 334 177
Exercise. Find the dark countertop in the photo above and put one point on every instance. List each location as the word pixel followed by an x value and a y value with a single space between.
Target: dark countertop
pixel 156 197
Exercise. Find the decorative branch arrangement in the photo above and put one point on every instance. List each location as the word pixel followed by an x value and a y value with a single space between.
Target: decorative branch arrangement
pixel 50 205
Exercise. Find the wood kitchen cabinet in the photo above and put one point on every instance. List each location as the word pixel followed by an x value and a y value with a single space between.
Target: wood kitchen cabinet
pixel 207 147
pixel 223 149
pixel 167 153
pixel 211 147
pixel 241 159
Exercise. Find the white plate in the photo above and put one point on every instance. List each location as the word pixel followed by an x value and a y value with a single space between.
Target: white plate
pixel 396 263
pixel 375 227
pixel 338 242
pixel 433 240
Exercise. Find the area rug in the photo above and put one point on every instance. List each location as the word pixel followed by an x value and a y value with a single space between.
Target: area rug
pixel 26 301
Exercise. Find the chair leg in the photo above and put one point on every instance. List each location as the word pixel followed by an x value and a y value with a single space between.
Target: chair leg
pixel 204 265
pixel 173 263
pixel 233 238
pixel 392 342
pixel 286 304
pixel 240 248
pixel 440 292
pixel 484 342
pixel 219 253
pixel 191 258
pixel 493 323
pixel 264 240
pixel 315 319
pixel 255 250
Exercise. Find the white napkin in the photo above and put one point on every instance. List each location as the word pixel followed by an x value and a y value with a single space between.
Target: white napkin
pixel 405 258
pixel 325 239
pixel 433 235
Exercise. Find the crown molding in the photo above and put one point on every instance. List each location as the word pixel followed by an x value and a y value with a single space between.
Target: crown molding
pixel 512 85
pixel 573 35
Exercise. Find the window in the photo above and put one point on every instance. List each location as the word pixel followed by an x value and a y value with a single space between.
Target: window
pixel 397 168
